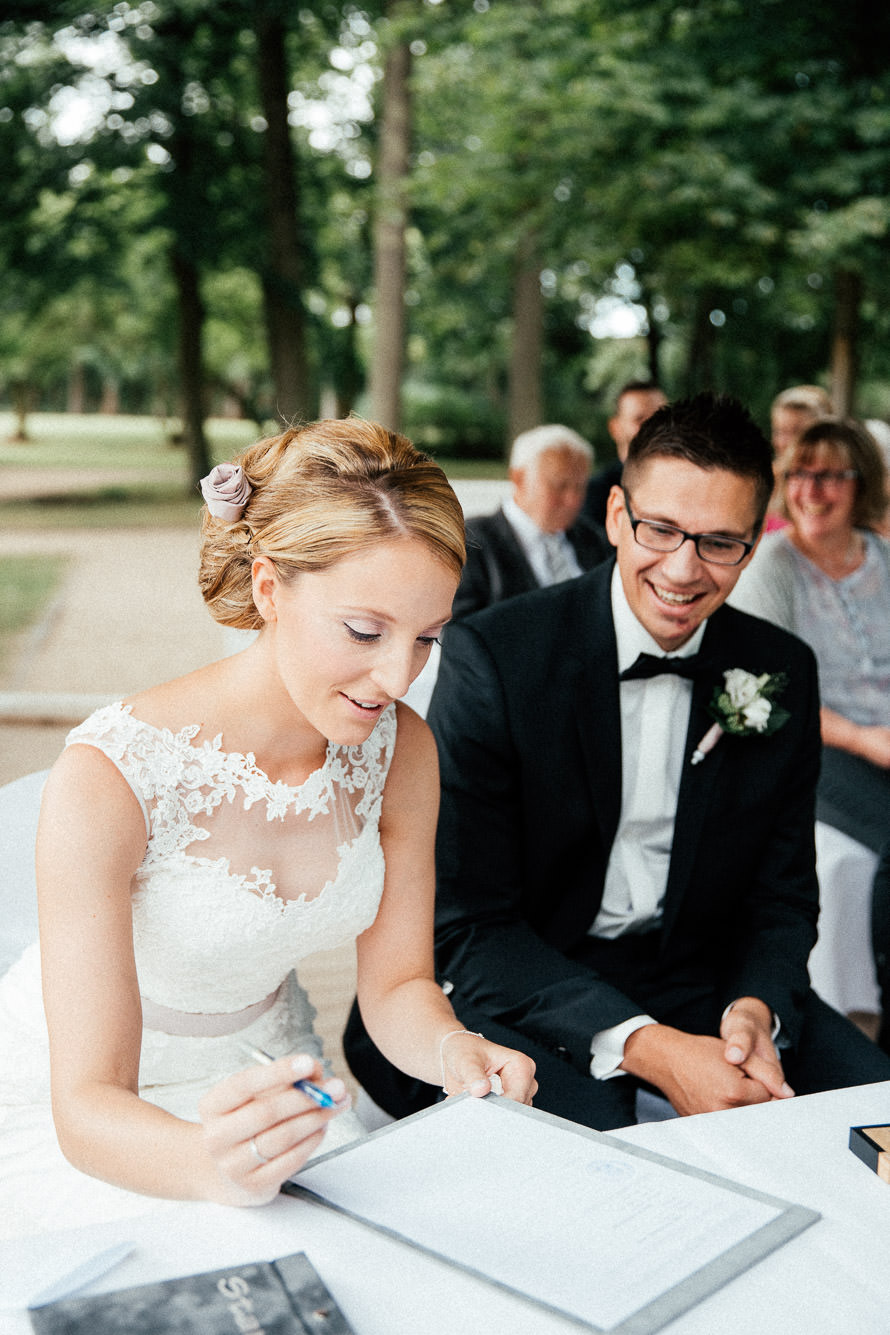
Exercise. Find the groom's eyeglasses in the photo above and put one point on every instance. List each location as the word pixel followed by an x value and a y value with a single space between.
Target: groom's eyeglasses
pixel 711 547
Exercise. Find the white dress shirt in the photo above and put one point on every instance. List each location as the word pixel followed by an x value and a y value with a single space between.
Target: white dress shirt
pixel 654 723
pixel 542 549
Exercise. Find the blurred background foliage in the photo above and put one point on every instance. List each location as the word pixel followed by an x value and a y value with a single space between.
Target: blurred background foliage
pixel 460 216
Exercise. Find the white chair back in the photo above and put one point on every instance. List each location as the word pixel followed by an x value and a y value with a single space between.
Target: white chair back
pixel 19 809
pixel 842 964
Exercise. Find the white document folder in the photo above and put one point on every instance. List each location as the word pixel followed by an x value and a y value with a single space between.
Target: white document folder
pixel 613 1237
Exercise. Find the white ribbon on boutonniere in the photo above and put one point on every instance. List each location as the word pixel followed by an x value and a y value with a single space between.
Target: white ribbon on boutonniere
pixel 745 706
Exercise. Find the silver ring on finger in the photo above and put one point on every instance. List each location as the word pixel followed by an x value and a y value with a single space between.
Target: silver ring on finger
pixel 257 1152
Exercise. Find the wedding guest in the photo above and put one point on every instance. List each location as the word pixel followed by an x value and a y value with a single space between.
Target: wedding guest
pixel 826 576
pixel 791 412
pixel 637 400
pixel 199 839
pixel 880 936
pixel 625 857
pixel 536 537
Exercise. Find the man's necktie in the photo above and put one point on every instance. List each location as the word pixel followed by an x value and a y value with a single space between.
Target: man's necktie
pixel 559 566
pixel 651 665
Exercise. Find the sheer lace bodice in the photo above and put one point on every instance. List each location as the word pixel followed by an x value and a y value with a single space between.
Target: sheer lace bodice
pixel 243 877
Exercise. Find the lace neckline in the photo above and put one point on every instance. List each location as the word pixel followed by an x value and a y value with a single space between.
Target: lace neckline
pixel 242 763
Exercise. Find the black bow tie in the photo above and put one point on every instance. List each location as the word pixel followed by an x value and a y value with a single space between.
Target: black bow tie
pixel 651 665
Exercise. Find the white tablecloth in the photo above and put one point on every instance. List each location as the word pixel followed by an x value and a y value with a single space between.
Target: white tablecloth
pixel 831 1280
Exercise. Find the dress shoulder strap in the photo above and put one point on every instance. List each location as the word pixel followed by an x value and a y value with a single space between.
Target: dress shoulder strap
pixel 132 746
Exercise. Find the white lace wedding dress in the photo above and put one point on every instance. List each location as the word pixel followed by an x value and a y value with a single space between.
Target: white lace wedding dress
pixel 242 878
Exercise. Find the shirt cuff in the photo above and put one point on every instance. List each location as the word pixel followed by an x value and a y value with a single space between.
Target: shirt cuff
pixel 607 1047
pixel 777 1023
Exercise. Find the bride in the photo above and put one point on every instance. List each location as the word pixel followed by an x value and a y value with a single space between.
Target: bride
pixel 199 839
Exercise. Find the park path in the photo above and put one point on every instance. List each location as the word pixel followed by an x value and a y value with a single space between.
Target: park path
pixel 127 614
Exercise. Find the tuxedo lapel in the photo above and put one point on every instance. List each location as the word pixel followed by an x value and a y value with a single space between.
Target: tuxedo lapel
pixel 597 710
pixel 698 783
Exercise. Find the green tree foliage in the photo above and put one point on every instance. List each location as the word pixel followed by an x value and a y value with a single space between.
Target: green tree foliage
pixel 34 169
pixel 719 169
pixel 186 130
pixel 768 176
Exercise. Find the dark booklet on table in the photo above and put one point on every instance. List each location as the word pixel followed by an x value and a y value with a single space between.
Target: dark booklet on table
pixel 283 1297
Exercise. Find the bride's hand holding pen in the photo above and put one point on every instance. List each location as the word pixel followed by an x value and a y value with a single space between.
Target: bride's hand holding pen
pixel 263 1123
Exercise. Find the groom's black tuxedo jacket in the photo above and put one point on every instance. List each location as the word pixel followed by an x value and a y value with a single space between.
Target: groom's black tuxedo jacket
pixel 526 716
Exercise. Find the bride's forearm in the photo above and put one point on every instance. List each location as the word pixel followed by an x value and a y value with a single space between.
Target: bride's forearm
pixel 111 1133
pixel 257 1128
pixel 415 1027
pixel 408 1023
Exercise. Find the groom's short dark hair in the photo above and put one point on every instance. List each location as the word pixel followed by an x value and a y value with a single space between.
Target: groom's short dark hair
pixel 711 431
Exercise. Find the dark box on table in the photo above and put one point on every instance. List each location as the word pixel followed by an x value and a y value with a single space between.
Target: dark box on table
pixel 871 1144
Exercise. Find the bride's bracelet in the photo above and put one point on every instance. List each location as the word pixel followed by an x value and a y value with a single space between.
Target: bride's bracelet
pixel 451 1034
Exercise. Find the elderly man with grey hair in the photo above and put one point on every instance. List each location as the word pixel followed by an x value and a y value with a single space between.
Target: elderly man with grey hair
pixel 537 537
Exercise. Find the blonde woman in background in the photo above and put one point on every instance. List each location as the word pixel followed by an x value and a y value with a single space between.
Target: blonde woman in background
pixel 826 576
pixel 791 413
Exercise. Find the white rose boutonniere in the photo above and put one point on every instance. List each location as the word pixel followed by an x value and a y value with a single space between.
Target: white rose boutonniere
pixel 745 705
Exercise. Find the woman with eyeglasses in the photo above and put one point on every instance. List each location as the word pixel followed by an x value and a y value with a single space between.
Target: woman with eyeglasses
pixel 827 578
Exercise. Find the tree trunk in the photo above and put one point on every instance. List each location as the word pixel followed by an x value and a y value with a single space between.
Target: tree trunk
pixel 389 240
pixel 700 365
pixel 283 275
pixel 111 397
pixel 191 364
pixel 77 389
pixel 348 380
pixel 22 394
pixel 844 352
pixel 653 342
pixel 524 405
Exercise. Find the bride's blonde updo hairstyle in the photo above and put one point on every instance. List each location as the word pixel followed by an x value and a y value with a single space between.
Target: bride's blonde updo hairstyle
pixel 320 493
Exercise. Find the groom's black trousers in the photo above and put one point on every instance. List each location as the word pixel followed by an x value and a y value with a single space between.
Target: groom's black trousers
pixel 831 1053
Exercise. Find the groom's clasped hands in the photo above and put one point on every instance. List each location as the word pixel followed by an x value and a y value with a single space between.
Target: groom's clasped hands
pixel 700 1073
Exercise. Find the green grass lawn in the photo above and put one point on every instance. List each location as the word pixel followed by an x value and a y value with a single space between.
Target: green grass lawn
pixel 95 440
pixel 150 484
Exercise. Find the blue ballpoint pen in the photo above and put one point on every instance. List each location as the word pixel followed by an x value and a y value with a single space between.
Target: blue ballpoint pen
pixel 314 1092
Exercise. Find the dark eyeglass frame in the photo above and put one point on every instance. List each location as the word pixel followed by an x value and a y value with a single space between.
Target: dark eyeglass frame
pixel 822 477
pixel 683 536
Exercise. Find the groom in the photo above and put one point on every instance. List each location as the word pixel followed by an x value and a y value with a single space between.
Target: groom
pixel 629 914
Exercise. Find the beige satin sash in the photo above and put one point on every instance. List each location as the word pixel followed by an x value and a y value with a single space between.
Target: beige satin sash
pixel 196 1024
